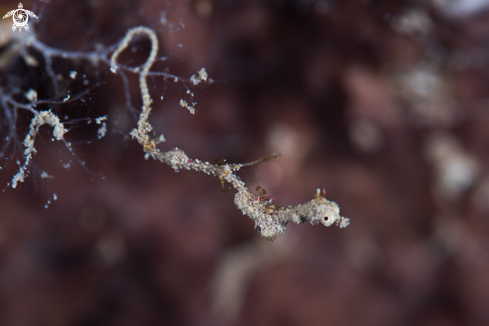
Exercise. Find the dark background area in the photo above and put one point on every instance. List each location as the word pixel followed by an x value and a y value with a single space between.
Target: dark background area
pixel 382 103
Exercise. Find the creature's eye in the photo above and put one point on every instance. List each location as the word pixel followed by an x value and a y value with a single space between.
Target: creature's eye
pixel 326 218
pixel 258 228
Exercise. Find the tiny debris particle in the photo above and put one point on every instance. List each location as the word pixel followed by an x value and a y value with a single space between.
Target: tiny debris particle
pixel 55 197
pixel 31 95
pixel 197 79
pixel 100 119
pixel 203 74
pixel 66 98
pixel 30 60
pixel 73 74
pixel 86 82
pixel 102 130
pixel 190 108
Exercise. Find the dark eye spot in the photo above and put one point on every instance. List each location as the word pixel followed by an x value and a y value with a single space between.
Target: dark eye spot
pixel 258 228
pixel 326 218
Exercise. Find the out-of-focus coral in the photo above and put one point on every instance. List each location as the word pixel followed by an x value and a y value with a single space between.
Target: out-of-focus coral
pixel 428 94
pixel 235 270
pixel 455 171
pixel 461 8
pixel 366 135
pixel 413 22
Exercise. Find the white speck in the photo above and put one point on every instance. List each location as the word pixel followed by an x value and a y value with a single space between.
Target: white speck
pixel 55 197
pixel 73 74
pixel 102 130
pixel 203 74
pixel 31 95
pixel 202 77
pixel 66 98
pixel 100 119
pixel 190 108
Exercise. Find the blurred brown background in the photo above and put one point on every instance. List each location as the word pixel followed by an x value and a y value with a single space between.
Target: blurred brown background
pixel 384 103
